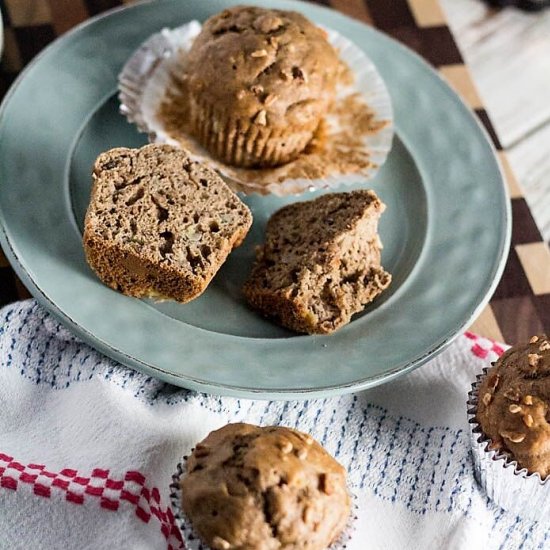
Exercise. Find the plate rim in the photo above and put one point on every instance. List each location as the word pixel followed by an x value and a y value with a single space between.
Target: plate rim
pixel 242 391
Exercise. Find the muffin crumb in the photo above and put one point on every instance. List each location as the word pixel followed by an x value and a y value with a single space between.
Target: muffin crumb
pixel 493 382
pixel 261 118
pixel 512 395
pixel 268 23
pixel 218 542
pixel 328 153
pixel 287 447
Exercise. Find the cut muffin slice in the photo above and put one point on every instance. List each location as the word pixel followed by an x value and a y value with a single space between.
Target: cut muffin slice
pixel 320 263
pixel 160 224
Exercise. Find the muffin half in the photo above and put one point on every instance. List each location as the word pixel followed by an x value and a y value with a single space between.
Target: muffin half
pixel 160 224
pixel 320 262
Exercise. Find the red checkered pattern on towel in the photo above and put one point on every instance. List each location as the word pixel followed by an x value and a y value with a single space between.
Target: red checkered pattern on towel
pixel 484 347
pixel 97 487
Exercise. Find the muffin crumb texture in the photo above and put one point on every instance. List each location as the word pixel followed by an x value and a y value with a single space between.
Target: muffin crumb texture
pixel 160 224
pixel 254 488
pixel 320 262
pixel 513 409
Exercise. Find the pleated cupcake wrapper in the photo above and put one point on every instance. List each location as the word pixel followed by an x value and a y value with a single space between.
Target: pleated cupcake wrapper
pixel 232 140
pixel 505 482
pixel 147 76
pixel 192 540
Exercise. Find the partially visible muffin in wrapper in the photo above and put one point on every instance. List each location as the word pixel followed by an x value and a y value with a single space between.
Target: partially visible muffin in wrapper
pixel 509 414
pixel 246 486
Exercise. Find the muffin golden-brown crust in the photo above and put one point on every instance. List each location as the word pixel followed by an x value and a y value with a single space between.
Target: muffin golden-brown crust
pixel 259 82
pixel 253 488
pixel 514 399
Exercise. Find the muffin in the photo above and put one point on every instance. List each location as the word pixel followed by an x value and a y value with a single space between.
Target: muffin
pixel 257 488
pixel 160 224
pixel 320 263
pixel 259 82
pixel 510 413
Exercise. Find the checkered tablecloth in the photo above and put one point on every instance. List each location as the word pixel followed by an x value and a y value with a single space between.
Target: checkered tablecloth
pixel 520 306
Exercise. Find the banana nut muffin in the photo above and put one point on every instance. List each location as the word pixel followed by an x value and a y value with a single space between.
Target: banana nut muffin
pixel 160 224
pixel 320 262
pixel 270 488
pixel 260 82
pixel 514 404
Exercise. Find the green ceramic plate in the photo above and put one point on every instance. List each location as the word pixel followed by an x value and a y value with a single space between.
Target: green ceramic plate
pixel 446 229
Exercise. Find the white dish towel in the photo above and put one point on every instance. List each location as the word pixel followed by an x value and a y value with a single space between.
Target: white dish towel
pixel 87 448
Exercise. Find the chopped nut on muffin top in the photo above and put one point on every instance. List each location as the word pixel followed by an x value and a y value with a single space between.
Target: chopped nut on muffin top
pixel 259 83
pixel 254 488
pixel 514 399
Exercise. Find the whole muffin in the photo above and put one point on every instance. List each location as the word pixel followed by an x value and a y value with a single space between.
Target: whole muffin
pixel 260 81
pixel 513 405
pixel 256 488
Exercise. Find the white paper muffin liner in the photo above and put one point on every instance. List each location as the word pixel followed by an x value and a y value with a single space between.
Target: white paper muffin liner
pixel 146 76
pixel 505 482
pixel 193 542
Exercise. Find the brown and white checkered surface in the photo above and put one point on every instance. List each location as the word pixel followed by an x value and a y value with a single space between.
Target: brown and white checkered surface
pixel 520 305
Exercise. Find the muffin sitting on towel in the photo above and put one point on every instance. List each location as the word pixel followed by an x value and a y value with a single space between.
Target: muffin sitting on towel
pixel 514 402
pixel 509 416
pixel 255 488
